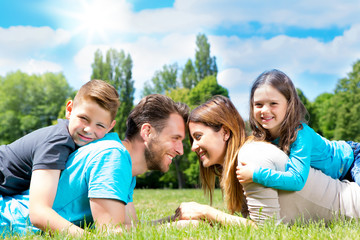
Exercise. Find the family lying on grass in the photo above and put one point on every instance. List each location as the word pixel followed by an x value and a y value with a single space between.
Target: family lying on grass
pixel 284 171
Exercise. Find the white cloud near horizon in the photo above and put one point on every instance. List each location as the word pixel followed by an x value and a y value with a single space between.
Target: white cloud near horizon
pixel 24 47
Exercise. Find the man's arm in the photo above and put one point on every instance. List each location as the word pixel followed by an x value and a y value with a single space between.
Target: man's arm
pixel 43 187
pixel 110 214
pixel 130 217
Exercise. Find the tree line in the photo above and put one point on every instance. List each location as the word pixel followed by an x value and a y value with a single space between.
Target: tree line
pixel 29 102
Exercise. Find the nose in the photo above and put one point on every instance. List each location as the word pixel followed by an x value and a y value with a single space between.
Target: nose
pixel 179 148
pixel 265 108
pixel 194 146
pixel 87 129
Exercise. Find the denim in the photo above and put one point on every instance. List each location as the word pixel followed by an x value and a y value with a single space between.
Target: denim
pixel 355 167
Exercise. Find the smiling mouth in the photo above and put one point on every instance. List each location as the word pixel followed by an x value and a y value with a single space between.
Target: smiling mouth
pixel 266 119
pixel 201 154
pixel 84 138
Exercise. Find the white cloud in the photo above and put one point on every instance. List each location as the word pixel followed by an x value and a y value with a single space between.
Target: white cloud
pixel 40 67
pixel 24 40
pixel 31 66
pixel 23 48
pixel 241 102
pixel 292 54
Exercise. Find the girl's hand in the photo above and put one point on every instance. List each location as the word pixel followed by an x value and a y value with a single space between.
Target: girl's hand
pixel 244 173
pixel 190 211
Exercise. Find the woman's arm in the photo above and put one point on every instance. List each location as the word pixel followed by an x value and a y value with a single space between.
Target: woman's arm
pixel 43 187
pixel 196 211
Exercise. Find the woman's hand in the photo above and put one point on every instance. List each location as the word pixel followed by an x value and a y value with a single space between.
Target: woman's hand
pixel 244 173
pixel 191 211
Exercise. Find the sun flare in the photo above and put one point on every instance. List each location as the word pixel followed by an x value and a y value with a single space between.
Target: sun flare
pixel 93 18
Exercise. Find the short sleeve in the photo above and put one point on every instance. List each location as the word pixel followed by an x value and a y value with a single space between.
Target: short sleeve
pixel 109 175
pixel 53 154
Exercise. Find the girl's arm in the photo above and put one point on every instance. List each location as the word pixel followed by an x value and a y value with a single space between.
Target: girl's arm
pixel 196 211
pixel 43 187
pixel 297 168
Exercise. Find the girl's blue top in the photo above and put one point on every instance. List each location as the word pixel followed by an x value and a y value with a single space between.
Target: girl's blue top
pixel 334 158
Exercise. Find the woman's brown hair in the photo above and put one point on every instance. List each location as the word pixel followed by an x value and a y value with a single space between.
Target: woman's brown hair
pixel 216 113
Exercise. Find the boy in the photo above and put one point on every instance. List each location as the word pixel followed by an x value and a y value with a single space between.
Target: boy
pixel 42 154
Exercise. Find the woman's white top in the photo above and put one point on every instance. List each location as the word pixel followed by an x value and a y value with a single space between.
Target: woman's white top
pixel 322 198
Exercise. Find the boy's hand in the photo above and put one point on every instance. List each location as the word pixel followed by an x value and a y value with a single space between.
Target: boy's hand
pixel 244 173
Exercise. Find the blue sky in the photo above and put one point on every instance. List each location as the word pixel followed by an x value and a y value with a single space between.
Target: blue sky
pixel 314 42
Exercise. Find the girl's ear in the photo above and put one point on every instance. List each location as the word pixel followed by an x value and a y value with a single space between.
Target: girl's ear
pixel 226 133
pixel 69 108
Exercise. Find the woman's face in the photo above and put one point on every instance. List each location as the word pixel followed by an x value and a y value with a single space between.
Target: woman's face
pixel 210 146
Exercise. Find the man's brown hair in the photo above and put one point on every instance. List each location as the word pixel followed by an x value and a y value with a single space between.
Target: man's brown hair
pixel 154 109
pixel 101 92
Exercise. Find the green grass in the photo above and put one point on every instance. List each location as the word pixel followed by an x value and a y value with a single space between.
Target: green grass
pixel 155 204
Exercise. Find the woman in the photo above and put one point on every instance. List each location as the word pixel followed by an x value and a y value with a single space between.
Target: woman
pixel 216 132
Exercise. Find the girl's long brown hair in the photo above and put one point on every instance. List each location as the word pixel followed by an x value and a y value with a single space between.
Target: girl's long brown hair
pixel 295 112
pixel 216 113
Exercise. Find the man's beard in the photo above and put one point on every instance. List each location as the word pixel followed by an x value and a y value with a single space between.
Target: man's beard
pixel 153 156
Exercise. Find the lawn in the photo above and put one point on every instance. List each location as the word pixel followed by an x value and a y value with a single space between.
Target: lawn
pixel 154 204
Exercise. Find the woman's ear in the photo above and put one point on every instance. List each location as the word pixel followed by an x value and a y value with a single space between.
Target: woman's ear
pixel 226 133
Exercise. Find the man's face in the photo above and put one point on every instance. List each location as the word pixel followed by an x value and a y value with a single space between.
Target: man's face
pixel 165 145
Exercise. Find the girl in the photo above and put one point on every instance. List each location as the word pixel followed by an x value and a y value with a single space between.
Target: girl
pixel 278 115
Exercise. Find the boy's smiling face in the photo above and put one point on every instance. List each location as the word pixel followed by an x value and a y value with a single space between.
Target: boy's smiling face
pixel 87 121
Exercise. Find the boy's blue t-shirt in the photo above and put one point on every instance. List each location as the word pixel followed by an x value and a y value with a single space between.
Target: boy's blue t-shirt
pixel 101 169
pixel 334 158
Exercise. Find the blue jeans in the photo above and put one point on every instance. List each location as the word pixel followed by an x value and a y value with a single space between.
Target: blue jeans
pixel 353 174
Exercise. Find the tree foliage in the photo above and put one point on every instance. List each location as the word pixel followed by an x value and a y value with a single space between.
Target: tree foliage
pixel 30 102
pixel 116 70
pixel 163 80
pixel 204 63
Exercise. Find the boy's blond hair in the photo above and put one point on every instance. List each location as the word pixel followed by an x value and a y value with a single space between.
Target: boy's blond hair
pixel 101 92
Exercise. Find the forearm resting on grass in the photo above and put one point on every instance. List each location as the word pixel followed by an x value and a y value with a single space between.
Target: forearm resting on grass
pixel 112 215
pixel 196 211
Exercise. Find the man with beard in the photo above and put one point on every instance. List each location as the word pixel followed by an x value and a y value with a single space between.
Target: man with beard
pixel 98 182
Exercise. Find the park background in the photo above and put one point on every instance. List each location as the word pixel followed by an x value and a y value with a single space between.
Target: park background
pixel 189 50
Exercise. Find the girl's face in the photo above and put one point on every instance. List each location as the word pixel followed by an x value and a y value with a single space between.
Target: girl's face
pixel 269 108
pixel 210 146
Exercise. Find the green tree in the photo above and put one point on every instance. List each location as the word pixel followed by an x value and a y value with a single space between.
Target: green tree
pixel 205 89
pixel 326 114
pixel 347 97
pixel 338 113
pixel 117 70
pixel 188 75
pixel 29 102
pixel 162 81
pixel 205 64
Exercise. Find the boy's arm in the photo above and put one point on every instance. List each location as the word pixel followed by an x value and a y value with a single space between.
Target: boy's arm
pixel 43 187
